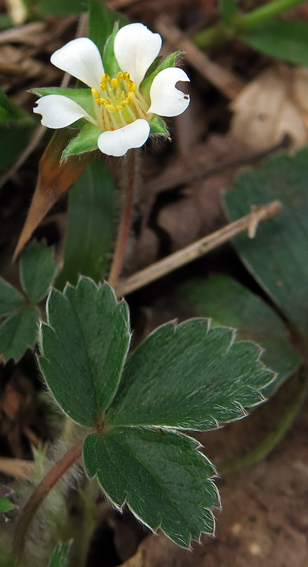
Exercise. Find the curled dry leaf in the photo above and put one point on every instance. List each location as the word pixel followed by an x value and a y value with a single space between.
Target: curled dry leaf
pixel 274 104
pixel 55 178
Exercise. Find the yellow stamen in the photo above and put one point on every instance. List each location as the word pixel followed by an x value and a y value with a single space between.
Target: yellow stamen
pixel 95 93
pixel 115 84
pixel 98 101
pixel 105 78
pixel 110 108
pixel 126 76
pixel 120 76
pixel 131 96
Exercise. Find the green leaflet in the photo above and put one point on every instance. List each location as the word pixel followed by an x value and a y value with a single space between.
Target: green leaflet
pixel 228 10
pixel 19 332
pixel 229 303
pixel 10 298
pixel 37 270
pixel 84 347
pixel 160 475
pixel 287 40
pixel 276 257
pixel 90 225
pixel 188 376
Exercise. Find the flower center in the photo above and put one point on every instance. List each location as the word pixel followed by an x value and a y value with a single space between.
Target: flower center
pixel 118 102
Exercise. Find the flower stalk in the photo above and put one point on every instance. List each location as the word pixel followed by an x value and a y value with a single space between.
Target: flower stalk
pixel 129 188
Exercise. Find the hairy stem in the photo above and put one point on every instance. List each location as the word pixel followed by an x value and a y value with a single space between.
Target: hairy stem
pixel 131 173
pixel 241 23
pixel 38 496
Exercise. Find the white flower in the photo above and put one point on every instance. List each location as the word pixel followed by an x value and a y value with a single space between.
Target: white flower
pixel 122 109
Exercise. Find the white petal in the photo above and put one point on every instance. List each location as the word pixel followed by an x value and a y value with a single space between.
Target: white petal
pixel 135 48
pixel 59 111
pixel 118 142
pixel 166 99
pixel 81 59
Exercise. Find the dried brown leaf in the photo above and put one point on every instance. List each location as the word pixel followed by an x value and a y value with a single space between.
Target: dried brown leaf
pixel 271 106
pixel 54 180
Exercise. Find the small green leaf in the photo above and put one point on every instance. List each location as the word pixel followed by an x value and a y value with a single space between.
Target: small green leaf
pixel 10 298
pixel 158 126
pixel 16 128
pixel 90 225
pixel 84 347
pixel 61 8
pixel 85 141
pixel 18 333
pixel 37 270
pixel 228 9
pixel 286 40
pixel 169 61
pixel 83 97
pixel 276 257
pixel 110 63
pixel 164 480
pixel 188 376
pixel 60 554
pixel 101 23
pixel 6 505
pixel 229 303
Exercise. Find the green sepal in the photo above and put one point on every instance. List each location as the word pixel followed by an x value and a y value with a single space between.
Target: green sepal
pixel 160 475
pixel 85 141
pixel 158 126
pixel 111 65
pixel 10 298
pixel 169 61
pixel 83 97
pixel 19 332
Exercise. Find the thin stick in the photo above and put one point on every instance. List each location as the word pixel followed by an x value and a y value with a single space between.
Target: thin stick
pixel 39 494
pixel 126 217
pixel 198 248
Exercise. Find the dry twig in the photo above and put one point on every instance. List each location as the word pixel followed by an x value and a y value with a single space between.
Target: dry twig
pixel 199 248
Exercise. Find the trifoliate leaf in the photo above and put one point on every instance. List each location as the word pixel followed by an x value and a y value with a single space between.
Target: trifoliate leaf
pixel 276 257
pixel 84 347
pixel 10 298
pixel 189 376
pixel 160 475
pixel 18 333
pixel 37 270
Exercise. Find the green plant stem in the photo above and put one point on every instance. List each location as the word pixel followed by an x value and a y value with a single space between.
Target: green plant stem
pixel 241 23
pixel 270 442
pixel 38 496
pixel 131 178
